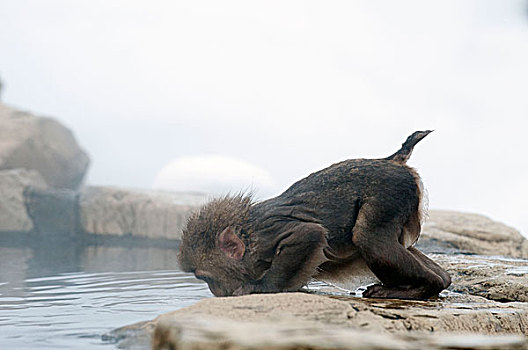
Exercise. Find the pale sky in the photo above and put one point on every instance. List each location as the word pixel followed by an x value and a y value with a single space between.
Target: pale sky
pixel 284 87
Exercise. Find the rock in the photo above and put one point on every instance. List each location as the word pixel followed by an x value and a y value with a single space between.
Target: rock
pixel 454 313
pixel 13 214
pixel 218 333
pixel 41 144
pixel 494 278
pixel 449 231
pixel 487 298
pixel 304 321
pixel 152 214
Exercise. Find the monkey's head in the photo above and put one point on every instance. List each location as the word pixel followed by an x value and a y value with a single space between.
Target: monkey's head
pixel 213 246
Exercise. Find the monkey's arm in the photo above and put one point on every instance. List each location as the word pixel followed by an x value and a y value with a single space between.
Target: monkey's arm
pixel 296 258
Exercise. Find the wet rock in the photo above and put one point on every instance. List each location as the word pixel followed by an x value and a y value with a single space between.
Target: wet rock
pixel 453 313
pixel 120 212
pixel 494 278
pixel 303 321
pixel 43 145
pixel 449 231
pixel 13 214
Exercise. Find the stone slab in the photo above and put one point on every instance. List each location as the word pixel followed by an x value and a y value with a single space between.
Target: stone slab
pixel 122 212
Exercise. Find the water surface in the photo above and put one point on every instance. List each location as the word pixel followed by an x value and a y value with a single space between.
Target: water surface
pixel 67 296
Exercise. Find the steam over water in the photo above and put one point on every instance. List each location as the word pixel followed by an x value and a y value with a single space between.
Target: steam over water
pixel 67 297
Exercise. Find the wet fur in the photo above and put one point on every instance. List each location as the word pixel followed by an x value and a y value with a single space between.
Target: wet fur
pixel 359 217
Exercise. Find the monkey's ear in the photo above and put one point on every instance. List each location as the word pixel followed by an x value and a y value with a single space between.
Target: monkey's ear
pixel 231 244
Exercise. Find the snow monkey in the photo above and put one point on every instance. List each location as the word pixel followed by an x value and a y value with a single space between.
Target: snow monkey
pixel 356 217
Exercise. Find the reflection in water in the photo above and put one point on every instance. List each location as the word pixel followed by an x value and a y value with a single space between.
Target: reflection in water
pixel 67 296
pixel 12 276
pixel 100 258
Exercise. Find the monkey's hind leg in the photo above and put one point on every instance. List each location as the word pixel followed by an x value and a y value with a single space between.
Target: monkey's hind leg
pixel 432 266
pixel 405 274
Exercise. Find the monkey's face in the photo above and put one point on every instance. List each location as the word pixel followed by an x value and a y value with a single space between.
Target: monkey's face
pixel 214 286
pixel 221 282
pixel 211 246
pixel 221 266
pixel 223 276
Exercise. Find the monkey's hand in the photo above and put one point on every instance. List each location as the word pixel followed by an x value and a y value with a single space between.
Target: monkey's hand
pixel 376 291
pixel 400 292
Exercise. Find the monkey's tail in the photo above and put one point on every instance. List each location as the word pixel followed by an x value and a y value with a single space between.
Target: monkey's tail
pixel 403 154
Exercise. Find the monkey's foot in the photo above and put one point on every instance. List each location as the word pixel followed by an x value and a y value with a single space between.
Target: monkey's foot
pixel 404 292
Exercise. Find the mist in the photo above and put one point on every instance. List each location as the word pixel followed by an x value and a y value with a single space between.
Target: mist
pixel 283 88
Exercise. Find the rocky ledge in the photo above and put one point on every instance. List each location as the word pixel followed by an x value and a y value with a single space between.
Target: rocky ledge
pixel 452 232
pixel 42 168
pixel 28 206
pixel 485 308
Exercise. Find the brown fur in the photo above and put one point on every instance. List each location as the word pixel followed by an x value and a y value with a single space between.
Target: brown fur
pixel 356 215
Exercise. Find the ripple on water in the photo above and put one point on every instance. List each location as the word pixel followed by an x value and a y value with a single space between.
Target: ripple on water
pixel 73 309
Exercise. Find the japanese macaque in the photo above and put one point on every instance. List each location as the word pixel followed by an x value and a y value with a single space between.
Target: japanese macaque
pixel 356 217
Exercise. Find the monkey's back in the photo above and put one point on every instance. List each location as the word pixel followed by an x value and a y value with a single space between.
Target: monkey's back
pixel 333 197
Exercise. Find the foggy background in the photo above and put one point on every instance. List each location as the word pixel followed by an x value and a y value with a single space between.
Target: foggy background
pixel 226 95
